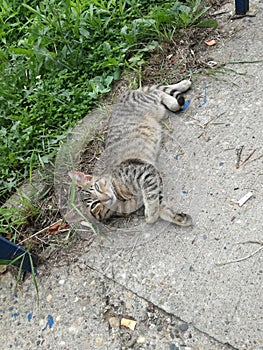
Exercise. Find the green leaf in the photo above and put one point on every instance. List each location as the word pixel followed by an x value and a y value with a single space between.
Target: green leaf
pixel 207 23
pixel 84 32
pixel 22 51
pixel 150 47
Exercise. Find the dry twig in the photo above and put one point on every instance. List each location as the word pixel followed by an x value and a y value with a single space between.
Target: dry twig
pixel 239 152
pixel 41 231
pixel 245 257
pixel 248 157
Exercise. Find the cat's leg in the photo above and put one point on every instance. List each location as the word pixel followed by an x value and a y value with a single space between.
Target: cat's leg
pixel 182 86
pixel 154 206
pixel 174 89
pixel 151 211
pixel 171 95
pixel 151 184
pixel 168 214
pixel 174 104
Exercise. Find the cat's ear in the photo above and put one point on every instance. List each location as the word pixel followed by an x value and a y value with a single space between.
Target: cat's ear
pixel 81 179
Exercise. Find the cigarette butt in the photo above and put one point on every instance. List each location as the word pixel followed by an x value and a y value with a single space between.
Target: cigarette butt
pixel 244 199
pixel 128 323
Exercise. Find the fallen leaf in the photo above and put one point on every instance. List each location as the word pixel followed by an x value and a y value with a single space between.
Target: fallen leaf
pixel 210 42
pixel 56 228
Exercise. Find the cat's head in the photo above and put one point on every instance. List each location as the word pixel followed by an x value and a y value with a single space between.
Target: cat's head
pixel 99 194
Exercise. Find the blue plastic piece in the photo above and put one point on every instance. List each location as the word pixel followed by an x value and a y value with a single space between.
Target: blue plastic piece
pixel 50 323
pixel 10 251
pixel 186 104
pixel 205 99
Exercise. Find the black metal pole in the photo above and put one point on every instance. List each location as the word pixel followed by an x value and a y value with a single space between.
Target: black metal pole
pixel 242 6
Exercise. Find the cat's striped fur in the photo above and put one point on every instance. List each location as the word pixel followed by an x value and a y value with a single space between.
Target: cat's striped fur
pixel 131 178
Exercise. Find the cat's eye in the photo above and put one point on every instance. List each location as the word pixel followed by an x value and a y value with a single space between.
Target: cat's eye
pixel 93 205
pixel 97 188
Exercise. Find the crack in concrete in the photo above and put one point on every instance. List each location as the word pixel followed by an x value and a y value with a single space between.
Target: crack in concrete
pixel 209 336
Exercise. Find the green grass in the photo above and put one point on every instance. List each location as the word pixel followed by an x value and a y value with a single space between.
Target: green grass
pixel 57 58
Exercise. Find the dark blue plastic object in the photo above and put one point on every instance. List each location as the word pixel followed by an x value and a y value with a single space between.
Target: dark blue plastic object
pixel 10 251
pixel 242 6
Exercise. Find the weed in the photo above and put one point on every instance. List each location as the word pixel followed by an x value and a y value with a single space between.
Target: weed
pixel 19 261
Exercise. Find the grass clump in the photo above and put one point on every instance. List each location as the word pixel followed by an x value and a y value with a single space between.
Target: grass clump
pixel 57 58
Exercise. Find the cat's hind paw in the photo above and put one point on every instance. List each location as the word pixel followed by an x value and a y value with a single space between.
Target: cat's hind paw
pixel 184 85
pixel 182 219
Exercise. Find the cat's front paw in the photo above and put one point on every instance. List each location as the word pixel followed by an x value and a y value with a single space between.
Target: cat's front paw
pixel 151 218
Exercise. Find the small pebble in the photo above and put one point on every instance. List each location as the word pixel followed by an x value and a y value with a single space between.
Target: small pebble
pixel 141 340
pixel 128 294
pixel 173 347
pixel 191 269
pixel 128 305
pixel 42 322
pixel 49 297
pixel 99 341
pixel 183 327
pixel 114 322
pixel 61 282
pixel 73 330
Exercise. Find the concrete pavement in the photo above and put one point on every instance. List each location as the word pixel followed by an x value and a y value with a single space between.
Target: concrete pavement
pixel 195 288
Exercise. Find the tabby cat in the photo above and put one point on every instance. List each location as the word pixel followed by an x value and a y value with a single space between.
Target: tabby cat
pixel 131 178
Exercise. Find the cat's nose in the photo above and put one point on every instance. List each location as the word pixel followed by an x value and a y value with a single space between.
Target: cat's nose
pixel 106 198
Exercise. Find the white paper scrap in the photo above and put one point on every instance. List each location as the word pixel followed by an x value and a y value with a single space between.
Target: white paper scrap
pixel 244 199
